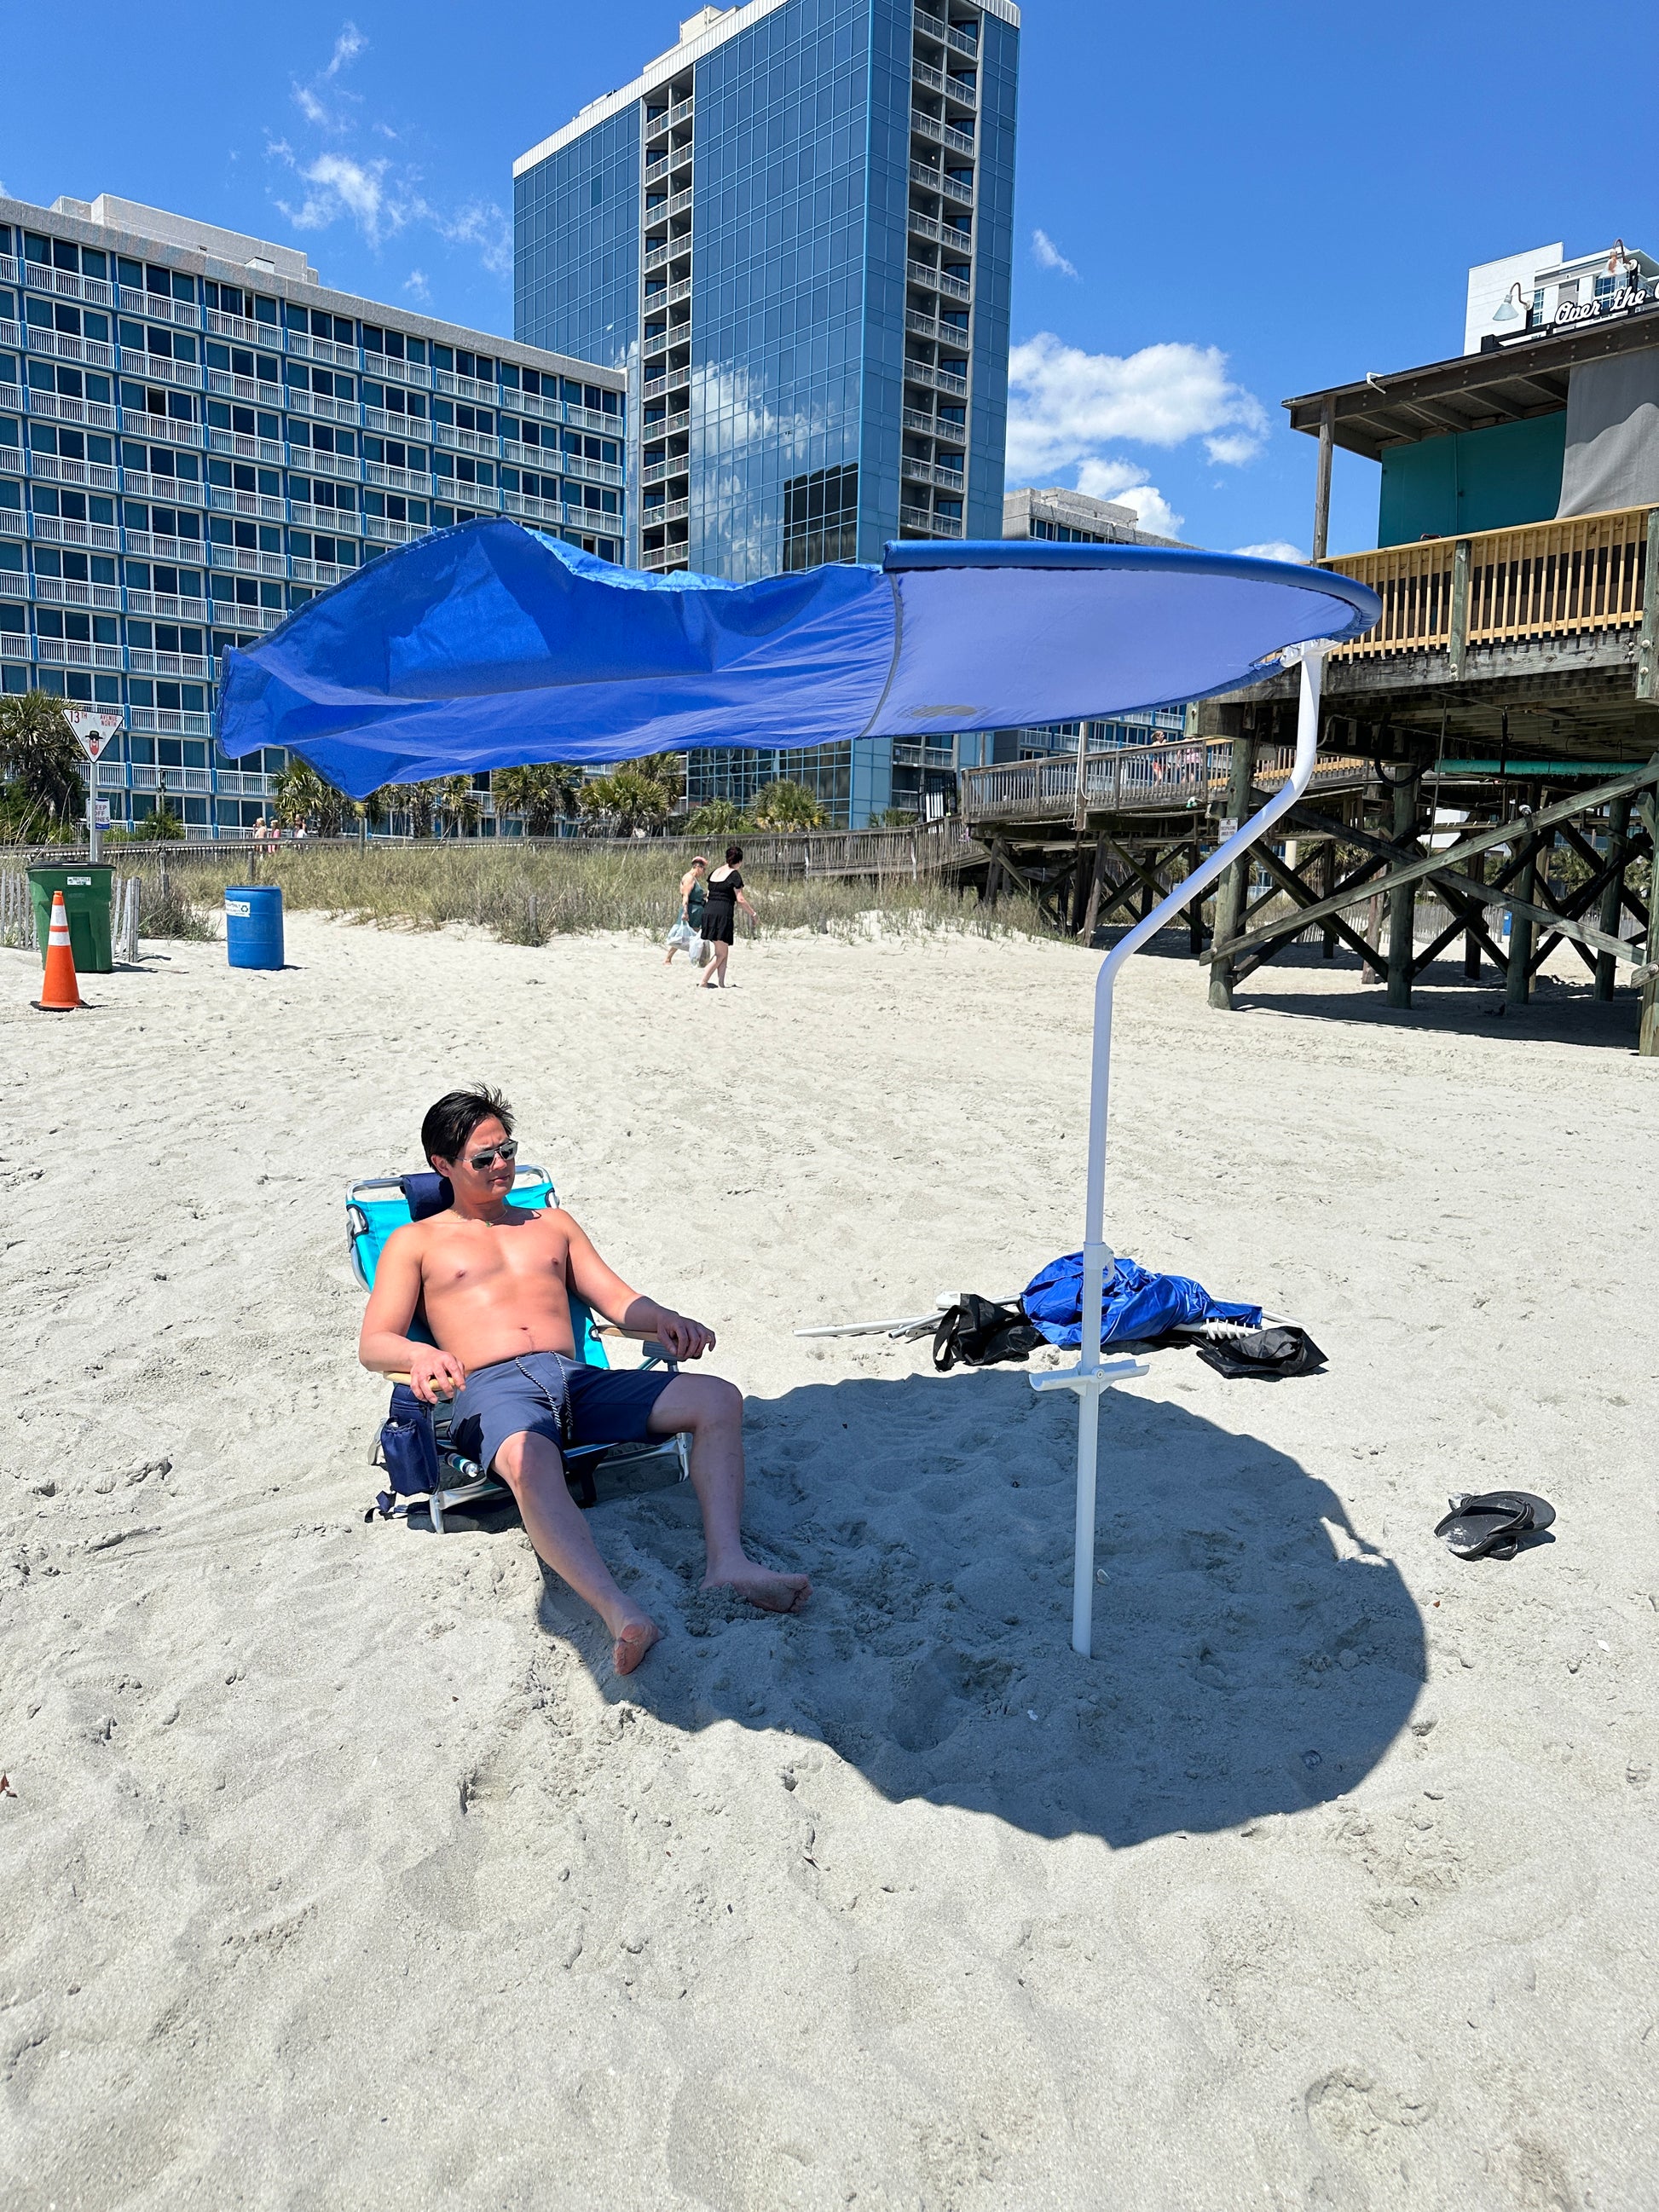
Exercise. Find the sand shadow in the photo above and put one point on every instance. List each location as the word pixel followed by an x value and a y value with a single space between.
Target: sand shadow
pixel 1563 1009
pixel 1253 1654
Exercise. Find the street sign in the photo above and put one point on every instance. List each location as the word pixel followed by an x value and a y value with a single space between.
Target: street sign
pixel 100 813
pixel 96 728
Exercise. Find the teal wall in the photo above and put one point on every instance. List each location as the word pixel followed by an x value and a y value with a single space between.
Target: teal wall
pixel 1472 480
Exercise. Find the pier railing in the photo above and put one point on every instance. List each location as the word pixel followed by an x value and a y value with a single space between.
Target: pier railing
pixel 1130 779
pixel 1541 580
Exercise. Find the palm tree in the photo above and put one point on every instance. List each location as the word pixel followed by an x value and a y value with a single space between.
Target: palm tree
pixel 420 801
pixel 624 800
pixel 667 769
pixel 303 796
pixel 460 802
pixel 717 817
pixel 785 806
pixel 40 763
pixel 545 795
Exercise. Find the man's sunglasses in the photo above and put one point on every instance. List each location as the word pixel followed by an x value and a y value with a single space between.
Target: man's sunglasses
pixel 507 1150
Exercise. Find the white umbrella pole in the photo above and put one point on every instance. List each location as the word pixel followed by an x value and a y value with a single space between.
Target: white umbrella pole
pixel 1092 1374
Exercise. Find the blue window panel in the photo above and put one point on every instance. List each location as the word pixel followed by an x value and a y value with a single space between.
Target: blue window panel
pixel 576 245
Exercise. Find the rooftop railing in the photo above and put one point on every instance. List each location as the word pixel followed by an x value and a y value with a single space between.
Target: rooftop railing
pixel 1595 572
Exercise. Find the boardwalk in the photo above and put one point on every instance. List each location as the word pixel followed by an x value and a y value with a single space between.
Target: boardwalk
pixel 1186 775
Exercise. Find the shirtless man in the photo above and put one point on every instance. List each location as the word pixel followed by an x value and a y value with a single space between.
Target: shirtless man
pixel 494 1279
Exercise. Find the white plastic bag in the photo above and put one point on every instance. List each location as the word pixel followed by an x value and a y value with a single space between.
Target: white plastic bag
pixel 681 937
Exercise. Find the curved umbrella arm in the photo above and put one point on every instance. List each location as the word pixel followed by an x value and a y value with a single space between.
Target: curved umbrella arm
pixel 1091 1375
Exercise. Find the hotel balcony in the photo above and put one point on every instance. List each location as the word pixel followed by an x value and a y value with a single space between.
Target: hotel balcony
pixel 922 274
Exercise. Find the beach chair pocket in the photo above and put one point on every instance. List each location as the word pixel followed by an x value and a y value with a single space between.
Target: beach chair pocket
pixel 408 1450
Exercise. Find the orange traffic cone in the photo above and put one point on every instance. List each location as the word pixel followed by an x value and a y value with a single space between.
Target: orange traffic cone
pixel 60 994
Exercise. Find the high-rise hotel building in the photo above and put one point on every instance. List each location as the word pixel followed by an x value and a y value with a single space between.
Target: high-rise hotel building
pixel 196 436
pixel 792 235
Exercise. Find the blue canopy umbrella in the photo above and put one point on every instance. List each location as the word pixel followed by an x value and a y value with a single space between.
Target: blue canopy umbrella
pixel 492 646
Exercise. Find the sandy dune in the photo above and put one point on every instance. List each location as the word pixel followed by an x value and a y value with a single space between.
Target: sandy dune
pixel 339 1871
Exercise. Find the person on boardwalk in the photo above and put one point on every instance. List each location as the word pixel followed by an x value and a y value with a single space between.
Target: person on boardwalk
pixel 720 916
pixel 694 897
pixel 493 1282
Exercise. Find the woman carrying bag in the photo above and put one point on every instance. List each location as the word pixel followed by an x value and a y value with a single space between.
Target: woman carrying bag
pixel 686 935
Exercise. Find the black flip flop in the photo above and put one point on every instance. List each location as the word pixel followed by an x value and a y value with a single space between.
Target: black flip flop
pixel 1489 1526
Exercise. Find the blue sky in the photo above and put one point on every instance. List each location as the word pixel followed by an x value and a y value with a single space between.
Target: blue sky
pixel 1218 204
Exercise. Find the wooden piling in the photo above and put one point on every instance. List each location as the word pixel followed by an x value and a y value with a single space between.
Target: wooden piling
pixel 1517 986
pixel 1322 484
pixel 1195 906
pixel 1476 868
pixel 1613 894
pixel 1231 890
pixel 1648 1035
pixel 1402 899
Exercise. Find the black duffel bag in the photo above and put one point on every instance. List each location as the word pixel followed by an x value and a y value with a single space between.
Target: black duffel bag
pixel 978 1331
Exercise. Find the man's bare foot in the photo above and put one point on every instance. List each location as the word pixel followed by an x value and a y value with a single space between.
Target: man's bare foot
pixel 773 1592
pixel 634 1639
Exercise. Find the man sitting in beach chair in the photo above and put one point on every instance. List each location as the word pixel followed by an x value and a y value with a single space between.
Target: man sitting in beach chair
pixel 492 1281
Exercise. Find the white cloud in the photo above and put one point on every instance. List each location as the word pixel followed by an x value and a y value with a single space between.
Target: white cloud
pixel 480 223
pixel 1129 486
pixel 1275 549
pixel 1047 255
pixel 340 187
pixel 1066 404
pixel 416 286
pixel 347 47
pixel 308 98
pixel 380 197
pixel 1233 448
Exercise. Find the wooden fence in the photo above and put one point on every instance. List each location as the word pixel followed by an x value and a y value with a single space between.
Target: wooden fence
pixel 1495 586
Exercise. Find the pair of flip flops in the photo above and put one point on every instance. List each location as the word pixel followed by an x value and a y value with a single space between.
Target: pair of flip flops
pixel 1491 1525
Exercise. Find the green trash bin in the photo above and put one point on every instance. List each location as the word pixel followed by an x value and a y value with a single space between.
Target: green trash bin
pixel 87 901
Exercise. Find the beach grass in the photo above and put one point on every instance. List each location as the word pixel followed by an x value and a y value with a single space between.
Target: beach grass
pixel 528 895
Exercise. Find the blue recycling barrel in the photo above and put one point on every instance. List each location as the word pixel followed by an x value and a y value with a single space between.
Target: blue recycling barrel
pixel 253 924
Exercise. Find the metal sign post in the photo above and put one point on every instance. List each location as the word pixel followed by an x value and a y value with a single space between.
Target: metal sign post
pixel 96 729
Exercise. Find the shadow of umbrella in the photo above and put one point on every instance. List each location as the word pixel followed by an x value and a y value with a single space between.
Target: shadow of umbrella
pixel 1253 1654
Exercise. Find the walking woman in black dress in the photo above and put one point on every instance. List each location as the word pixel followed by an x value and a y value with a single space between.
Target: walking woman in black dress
pixel 720 916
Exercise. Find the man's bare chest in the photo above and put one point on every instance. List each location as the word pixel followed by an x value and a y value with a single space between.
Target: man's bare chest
pixel 482 1259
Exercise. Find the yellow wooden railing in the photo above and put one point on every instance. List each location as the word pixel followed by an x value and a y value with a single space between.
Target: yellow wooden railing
pixel 1494 586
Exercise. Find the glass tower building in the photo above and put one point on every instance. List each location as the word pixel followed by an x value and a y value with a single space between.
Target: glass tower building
pixel 792 235
pixel 196 436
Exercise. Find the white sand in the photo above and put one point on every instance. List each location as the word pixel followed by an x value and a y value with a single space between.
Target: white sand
pixel 339 1869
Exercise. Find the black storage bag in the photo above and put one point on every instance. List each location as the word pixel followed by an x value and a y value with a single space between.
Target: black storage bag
pixel 409 1449
pixel 979 1332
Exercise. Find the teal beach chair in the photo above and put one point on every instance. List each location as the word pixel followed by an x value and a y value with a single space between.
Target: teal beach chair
pixel 377 1205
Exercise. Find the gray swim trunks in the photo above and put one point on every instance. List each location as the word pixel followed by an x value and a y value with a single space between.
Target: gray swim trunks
pixel 547 1394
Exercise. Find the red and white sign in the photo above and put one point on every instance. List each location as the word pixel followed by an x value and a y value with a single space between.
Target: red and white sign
pixel 96 728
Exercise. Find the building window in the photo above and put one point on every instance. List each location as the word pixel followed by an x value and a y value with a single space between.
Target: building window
pixel 820 518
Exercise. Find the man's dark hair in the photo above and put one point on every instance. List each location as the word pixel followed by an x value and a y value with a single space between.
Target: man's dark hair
pixel 734 854
pixel 449 1124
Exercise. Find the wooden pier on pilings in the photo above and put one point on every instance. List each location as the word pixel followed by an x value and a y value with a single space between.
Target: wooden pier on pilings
pixel 1429 797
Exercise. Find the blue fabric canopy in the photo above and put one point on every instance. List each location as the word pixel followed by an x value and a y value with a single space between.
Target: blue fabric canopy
pixel 1137 1304
pixel 492 645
